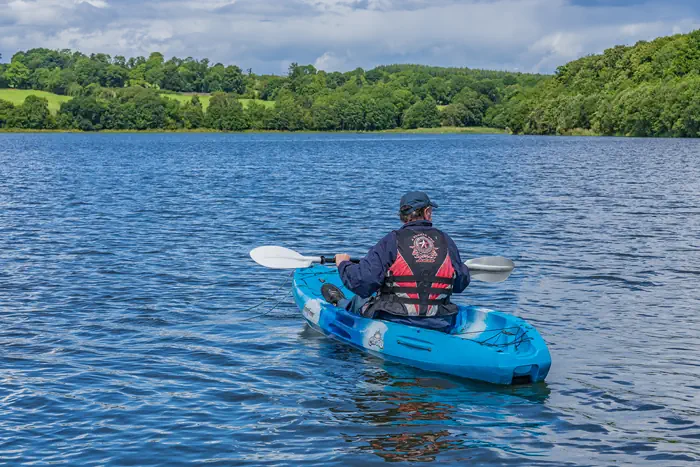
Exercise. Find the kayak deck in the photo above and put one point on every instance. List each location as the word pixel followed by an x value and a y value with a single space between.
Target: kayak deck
pixel 484 345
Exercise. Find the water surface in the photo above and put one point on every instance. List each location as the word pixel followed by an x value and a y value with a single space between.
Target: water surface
pixel 125 289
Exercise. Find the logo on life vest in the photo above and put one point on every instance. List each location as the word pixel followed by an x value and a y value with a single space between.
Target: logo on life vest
pixel 424 250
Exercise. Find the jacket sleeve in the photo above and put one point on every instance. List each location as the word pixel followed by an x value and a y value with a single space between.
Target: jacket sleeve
pixel 367 276
pixel 462 278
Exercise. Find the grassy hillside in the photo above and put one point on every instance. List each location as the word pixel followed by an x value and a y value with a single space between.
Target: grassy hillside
pixel 205 98
pixel 17 96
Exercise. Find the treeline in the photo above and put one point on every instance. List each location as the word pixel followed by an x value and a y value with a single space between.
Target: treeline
pixel 108 93
pixel 649 89
pixel 71 73
pixel 146 109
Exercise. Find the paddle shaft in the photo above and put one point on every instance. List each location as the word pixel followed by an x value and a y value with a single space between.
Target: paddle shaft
pixel 486 269
pixel 330 259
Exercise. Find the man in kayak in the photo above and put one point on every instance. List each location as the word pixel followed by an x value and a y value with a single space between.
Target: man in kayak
pixel 412 270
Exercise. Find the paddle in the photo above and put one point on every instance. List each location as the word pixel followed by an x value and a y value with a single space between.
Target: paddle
pixel 485 269
pixel 490 268
pixel 277 257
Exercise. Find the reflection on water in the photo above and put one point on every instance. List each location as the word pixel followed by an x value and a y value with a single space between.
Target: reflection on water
pixel 416 447
pixel 405 409
pixel 413 415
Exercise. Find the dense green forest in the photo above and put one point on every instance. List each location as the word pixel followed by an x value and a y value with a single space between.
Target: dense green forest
pixel 119 94
pixel 649 89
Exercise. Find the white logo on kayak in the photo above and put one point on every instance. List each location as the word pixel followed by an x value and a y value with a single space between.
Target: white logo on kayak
pixel 373 335
pixel 377 341
pixel 312 311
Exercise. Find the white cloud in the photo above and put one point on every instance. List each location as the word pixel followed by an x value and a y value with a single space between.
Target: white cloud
pixel 95 3
pixel 329 62
pixel 267 35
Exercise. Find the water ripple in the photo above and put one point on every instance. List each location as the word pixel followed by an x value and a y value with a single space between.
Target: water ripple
pixel 126 297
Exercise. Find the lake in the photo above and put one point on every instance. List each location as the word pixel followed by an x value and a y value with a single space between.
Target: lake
pixel 126 291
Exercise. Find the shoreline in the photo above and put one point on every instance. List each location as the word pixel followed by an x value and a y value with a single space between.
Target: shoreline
pixel 439 130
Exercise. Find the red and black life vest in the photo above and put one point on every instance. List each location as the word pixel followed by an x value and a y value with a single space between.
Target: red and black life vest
pixel 421 278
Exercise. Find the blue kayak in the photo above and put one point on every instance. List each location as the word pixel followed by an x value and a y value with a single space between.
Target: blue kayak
pixel 484 345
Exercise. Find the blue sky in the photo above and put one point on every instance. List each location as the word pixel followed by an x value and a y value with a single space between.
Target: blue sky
pixel 267 35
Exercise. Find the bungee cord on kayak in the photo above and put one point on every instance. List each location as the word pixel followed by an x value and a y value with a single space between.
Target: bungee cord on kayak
pixel 516 342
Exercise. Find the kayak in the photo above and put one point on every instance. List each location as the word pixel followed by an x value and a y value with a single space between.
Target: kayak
pixel 484 345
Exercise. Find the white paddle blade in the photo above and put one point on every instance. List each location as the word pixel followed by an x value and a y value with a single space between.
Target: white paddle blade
pixel 277 257
pixel 490 268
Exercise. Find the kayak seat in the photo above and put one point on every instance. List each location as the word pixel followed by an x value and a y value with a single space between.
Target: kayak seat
pixel 332 294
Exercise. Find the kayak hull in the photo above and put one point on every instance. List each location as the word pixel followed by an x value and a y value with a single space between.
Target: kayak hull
pixel 485 345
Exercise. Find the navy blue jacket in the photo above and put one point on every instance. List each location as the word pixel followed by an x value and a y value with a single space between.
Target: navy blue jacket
pixel 367 277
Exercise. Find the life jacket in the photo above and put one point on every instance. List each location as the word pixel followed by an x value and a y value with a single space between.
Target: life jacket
pixel 421 278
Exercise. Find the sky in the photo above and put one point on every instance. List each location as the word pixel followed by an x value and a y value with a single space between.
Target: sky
pixel 340 35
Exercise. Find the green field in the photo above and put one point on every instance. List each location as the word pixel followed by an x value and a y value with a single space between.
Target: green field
pixel 204 99
pixel 17 96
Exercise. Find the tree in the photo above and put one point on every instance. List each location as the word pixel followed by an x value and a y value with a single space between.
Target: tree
pixel 373 76
pixel 215 78
pixel 402 100
pixel 422 114
pixel 74 89
pixel 192 114
pixel 351 114
pixel 325 115
pixel 6 111
pixel 377 114
pixel 89 71
pixel 174 118
pixel 153 72
pixel 135 109
pixel 33 114
pixel 81 113
pixel 115 76
pixel 233 80
pixel 439 90
pixel 456 115
pixel 119 61
pixel 257 115
pixel 17 75
pixel 301 79
pixel 270 87
pixel 173 79
pixel 3 79
pixel 475 104
pixel 335 80
pixel 288 114
pixel 225 113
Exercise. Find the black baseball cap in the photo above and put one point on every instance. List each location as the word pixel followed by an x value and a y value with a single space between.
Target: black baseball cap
pixel 415 200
